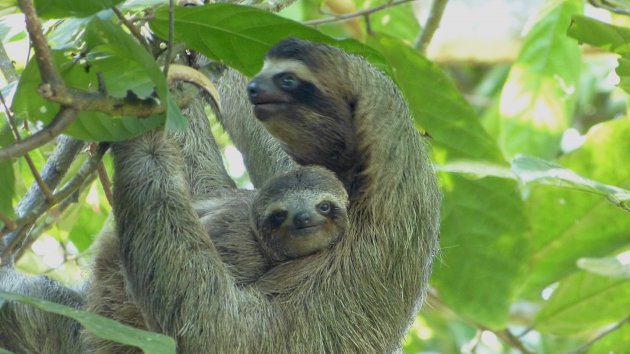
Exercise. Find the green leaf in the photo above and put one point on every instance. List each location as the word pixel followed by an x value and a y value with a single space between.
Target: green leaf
pixel 105 36
pixel 28 104
pixel 584 302
pixel 222 31
pixel 568 225
pixel 538 99
pixel 437 105
pixel 479 245
pixel 103 327
pixel 397 21
pixel 608 37
pixel 69 8
pixel 616 342
pixel 530 169
pixel 7 189
pixel 482 242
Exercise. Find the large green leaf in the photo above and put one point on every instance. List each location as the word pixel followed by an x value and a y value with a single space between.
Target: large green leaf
pixel 568 225
pixel 538 98
pixel 70 8
pixel 612 38
pixel 437 105
pixel 397 21
pixel 583 302
pixel 28 104
pixel 103 327
pixel 483 222
pixel 109 38
pixel 240 36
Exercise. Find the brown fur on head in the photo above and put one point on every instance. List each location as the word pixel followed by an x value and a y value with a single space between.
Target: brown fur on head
pixel 302 104
pixel 300 212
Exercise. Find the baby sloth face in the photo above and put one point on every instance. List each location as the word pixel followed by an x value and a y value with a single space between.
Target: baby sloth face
pixel 300 213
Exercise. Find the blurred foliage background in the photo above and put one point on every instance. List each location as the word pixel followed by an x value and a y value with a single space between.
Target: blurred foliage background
pixel 524 104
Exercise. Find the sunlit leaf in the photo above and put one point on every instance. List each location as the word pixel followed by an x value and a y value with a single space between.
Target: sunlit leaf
pixel 584 301
pixel 70 8
pixel 608 37
pixel 531 169
pixel 103 327
pixel 538 98
pixel 609 267
pixel 478 243
pixel 567 224
pixel 222 31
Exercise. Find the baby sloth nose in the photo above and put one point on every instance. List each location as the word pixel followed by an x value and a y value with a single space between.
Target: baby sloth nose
pixel 302 219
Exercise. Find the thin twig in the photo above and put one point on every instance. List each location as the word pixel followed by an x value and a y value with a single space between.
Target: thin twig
pixel 16 133
pixel 131 27
pixel 8 223
pixel 583 348
pixel 432 24
pixel 63 119
pixel 610 6
pixel 345 17
pixel 6 65
pixel 55 215
pixel 103 178
pixel 74 184
pixel 275 5
pixel 171 36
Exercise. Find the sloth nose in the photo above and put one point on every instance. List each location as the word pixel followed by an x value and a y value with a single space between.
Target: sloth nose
pixel 302 219
pixel 253 89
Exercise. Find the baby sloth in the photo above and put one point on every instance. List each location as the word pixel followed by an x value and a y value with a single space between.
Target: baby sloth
pixel 292 215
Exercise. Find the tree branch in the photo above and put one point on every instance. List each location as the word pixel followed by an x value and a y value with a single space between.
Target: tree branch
pixel 361 13
pixel 52 173
pixel 43 54
pixel 64 117
pixel 432 24
pixel 28 219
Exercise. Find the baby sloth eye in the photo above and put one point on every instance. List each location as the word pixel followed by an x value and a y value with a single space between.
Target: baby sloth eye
pixel 288 81
pixel 324 207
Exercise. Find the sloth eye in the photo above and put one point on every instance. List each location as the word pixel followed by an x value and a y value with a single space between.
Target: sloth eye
pixel 288 81
pixel 324 207
pixel 278 216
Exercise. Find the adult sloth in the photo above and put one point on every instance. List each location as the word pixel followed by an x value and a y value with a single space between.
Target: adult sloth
pixel 327 107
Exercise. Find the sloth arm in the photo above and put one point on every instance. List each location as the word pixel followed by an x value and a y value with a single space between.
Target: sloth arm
pixel 173 270
pixel 262 154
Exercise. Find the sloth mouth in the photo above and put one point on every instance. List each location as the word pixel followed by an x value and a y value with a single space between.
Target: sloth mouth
pixel 266 110
pixel 305 230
